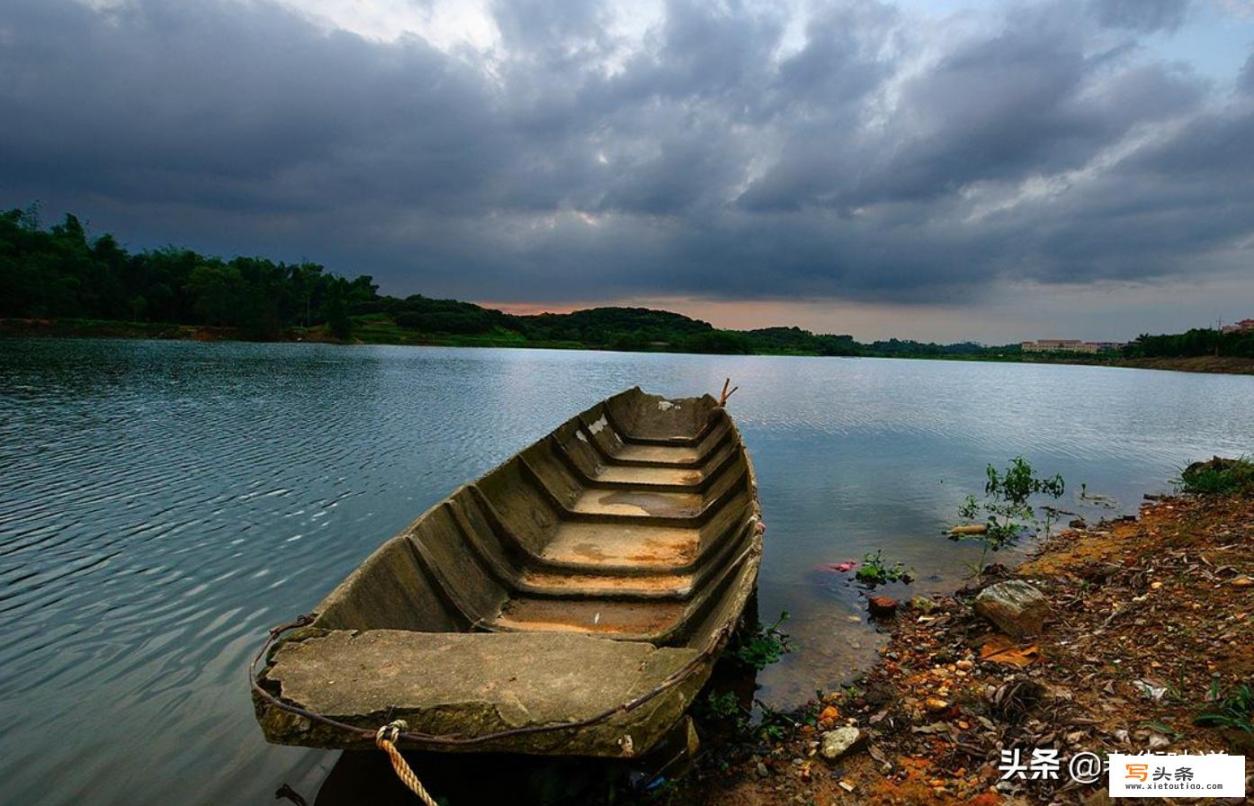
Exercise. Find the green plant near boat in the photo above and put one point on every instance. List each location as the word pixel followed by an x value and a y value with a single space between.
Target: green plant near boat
pixel 775 725
pixel 1231 709
pixel 762 646
pixel 1007 507
pixel 875 570
pixel 723 708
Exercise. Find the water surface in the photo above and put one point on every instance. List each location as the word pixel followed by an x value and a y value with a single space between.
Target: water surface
pixel 163 504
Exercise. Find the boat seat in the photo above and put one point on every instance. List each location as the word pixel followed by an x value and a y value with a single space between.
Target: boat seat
pixel 642 586
pixel 479 683
pixel 661 476
pixel 649 503
pixel 666 455
pixel 603 546
pixel 637 620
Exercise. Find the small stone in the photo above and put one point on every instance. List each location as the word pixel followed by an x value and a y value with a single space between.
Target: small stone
pixel 1016 607
pixel 829 713
pixel 762 770
pixel 935 704
pixel 882 605
pixel 922 604
pixel 1157 741
pixel 965 665
pixel 838 742
pixel 1155 585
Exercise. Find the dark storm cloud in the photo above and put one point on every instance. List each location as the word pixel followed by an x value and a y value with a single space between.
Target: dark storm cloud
pixel 870 157
pixel 1245 82
pixel 1141 15
pixel 1027 101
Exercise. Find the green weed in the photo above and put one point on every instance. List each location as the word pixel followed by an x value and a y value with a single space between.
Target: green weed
pixel 876 571
pixel 1235 709
pixel 764 646
pixel 1007 506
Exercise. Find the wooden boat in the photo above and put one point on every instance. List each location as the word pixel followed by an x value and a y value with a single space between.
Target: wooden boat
pixel 570 602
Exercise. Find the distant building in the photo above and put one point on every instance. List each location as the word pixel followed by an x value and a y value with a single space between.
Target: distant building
pixel 1068 346
pixel 1244 326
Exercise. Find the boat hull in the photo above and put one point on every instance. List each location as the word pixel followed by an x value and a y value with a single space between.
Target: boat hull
pixel 572 601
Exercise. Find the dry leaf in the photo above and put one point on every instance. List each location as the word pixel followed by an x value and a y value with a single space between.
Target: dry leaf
pixel 1001 650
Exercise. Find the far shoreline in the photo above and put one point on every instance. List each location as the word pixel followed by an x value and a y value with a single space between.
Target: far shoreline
pixel 164 331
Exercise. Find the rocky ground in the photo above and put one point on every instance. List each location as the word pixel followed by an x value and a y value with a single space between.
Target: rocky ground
pixel 1120 637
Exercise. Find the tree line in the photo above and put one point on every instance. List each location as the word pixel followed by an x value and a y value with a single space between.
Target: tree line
pixel 1195 342
pixel 59 272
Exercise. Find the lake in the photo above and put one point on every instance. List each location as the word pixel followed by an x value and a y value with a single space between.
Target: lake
pixel 163 504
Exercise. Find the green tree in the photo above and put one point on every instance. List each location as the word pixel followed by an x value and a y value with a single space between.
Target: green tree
pixel 335 311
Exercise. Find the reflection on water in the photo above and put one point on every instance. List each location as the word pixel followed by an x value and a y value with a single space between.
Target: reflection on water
pixel 162 504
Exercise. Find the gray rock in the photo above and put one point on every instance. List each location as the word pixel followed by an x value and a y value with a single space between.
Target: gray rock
pixel 1016 607
pixel 838 742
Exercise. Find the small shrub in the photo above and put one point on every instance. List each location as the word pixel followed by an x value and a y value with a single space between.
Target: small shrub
pixel 1218 477
pixel 876 571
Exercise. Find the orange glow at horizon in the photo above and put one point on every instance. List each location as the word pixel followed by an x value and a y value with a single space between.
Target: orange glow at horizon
pixel 862 320
pixel 1002 316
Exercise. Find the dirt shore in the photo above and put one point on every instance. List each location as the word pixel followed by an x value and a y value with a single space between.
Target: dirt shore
pixel 1148 619
pixel 1203 363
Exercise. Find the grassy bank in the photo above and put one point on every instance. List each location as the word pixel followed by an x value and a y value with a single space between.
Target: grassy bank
pixel 1145 648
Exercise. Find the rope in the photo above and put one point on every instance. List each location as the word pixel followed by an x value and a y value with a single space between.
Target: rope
pixel 385 740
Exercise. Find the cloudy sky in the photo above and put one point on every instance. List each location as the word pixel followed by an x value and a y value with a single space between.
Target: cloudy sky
pixel 927 169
